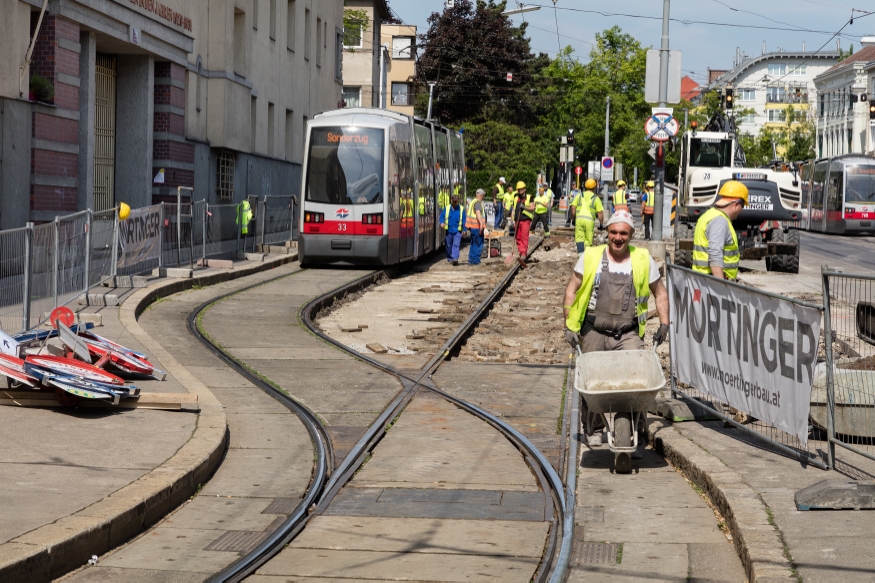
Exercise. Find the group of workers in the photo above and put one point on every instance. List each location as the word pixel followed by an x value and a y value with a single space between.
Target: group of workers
pixel 607 296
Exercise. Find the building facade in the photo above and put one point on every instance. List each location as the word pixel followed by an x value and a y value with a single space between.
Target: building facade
pixel 773 83
pixel 365 60
pixel 400 40
pixel 843 124
pixel 216 94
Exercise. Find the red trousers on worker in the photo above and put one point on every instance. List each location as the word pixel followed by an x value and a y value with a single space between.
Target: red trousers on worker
pixel 522 237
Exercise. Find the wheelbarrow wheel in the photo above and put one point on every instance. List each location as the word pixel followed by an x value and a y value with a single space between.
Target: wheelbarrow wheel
pixel 623 438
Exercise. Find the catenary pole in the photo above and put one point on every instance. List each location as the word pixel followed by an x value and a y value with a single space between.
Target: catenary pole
pixel 663 98
pixel 430 95
pixel 607 153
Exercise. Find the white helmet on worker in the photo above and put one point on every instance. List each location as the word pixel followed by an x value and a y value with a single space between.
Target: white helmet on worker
pixel 502 180
pixel 621 217
pixel 480 192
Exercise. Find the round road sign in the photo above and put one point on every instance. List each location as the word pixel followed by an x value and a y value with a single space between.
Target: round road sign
pixel 607 162
pixel 660 127
pixel 578 170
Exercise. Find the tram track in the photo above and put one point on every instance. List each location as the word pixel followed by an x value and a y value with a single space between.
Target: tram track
pixel 327 480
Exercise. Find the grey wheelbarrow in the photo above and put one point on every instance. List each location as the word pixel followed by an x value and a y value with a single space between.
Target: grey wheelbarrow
pixel 622 382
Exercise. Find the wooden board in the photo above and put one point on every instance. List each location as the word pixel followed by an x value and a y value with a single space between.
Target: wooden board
pixel 163 401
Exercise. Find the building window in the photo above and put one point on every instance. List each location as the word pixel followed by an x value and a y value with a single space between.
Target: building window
pixel 777 115
pixel 225 176
pixel 338 54
pixel 400 94
pixel 240 42
pixel 290 133
pixel 307 36
pixel 798 70
pixel 749 118
pixel 352 96
pixel 270 130
pixel 402 47
pixel 272 19
pixel 318 42
pixel 253 120
pixel 255 14
pixel 352 35
pixel 290 25
pixel 776 69
pixel 775 95
pixel 747 94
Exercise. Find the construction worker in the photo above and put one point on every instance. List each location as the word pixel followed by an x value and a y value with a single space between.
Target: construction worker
pixel 443 197
pixel 510 200
pixel 572 196
pixel 585 208
pixel 619 200
pixel 244 216
pixel 524 214
pixel 647 207
pixel 542 205
pixel 606 302
pixel 715 244
pixel 475 222
pixel 453 223
pixel 498 201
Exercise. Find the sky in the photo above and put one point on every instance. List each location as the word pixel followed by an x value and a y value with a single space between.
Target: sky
pixel 703 45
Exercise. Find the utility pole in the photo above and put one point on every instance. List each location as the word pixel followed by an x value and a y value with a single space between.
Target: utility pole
pixel 430 95
pixel 663 97
pixel 607 153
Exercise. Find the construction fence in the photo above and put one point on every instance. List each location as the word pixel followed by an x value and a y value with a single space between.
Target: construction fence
pixel 52 264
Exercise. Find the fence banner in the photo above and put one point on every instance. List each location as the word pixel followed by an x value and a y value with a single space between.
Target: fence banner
pixel 753 351
pixel 139 236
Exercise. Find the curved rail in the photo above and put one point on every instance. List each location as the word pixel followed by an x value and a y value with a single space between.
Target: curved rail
pixel 322 490
pixel 321 443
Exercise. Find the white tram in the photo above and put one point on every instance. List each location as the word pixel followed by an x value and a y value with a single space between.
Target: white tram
pixel 838 194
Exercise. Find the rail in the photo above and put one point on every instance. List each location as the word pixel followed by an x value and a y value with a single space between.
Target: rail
pixel 547 475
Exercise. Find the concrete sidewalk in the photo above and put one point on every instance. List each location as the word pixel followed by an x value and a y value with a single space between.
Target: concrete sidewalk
pixel 77 482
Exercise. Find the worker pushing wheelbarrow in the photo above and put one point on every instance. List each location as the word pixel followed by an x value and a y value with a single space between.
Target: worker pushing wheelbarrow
pixel 606 308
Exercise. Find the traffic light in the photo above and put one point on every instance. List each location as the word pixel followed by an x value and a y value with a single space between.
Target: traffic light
pixel 660 156
pixel 872 109
pixel 729 98
pixel 570 136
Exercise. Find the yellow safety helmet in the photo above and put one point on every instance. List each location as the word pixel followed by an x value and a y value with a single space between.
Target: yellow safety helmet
pixel 621 183
pixel 123 211
pixel 734 189
pixel 650 184
pixel 590 184
pixel 520 184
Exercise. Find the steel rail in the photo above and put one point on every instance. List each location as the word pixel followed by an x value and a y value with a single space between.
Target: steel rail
pixel 564 559
pixel 321 444
pixel 323 488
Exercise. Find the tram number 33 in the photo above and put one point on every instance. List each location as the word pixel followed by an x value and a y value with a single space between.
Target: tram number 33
pixel 341 226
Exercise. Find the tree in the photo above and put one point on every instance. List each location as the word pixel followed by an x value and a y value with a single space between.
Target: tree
pixel 355 25
pixel 468 51
pixel 499 149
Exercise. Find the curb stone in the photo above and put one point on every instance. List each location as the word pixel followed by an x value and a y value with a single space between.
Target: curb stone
pixel 66 544
pixel 757 542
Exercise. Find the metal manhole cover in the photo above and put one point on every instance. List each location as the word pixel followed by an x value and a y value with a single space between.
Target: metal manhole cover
pixel 237 541
pixel 592 553
pixel 282 506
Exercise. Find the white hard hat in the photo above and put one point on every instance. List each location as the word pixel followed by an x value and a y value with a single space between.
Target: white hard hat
pixel 621 217
pixel 480 191
pixel 502 180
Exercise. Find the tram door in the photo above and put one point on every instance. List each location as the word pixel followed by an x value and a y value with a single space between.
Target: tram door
pixel 425 184
pixel 442 167
pixel 401 184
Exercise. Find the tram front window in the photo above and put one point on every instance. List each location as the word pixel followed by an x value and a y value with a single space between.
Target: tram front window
pixel 861 185
pixel 710 152
pixel 345 166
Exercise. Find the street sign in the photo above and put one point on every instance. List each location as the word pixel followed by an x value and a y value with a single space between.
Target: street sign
pixel 594 170
pixel 578 170
pixel 566 154
pixel 651 79
pixel 608 169
pixel 661 126
pixel 509 77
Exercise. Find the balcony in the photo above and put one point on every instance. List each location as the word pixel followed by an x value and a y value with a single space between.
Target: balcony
pixel 789 97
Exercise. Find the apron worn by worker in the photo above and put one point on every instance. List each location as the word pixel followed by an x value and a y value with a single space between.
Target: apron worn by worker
pixel 614 312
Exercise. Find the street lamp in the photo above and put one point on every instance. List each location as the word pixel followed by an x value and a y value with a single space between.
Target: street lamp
pixel 520 10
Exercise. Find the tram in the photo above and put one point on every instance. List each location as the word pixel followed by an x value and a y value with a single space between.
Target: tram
pixel 838 194
pixel 373 184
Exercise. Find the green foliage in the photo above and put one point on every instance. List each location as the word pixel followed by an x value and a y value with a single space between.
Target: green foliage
pixel 468 51
pixel 42 88
pixel 498 149
pixel 355 25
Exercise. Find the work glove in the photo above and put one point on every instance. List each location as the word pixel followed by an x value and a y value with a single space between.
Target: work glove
pixel 661 335
pixel 572 338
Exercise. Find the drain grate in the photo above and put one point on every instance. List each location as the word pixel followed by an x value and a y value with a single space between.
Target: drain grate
pixel 592 553
pixel 237 541
pixel 282 506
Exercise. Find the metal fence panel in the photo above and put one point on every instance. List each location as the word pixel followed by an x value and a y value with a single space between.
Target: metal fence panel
pixel 104 234
pixel 815 451
pixel 276 216
pixel 13 266
pixel 221 228
pixel 843 398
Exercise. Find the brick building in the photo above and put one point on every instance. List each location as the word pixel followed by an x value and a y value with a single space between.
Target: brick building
pixel 215 94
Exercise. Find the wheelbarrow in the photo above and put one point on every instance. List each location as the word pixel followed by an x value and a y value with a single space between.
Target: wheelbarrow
pixel 622 382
